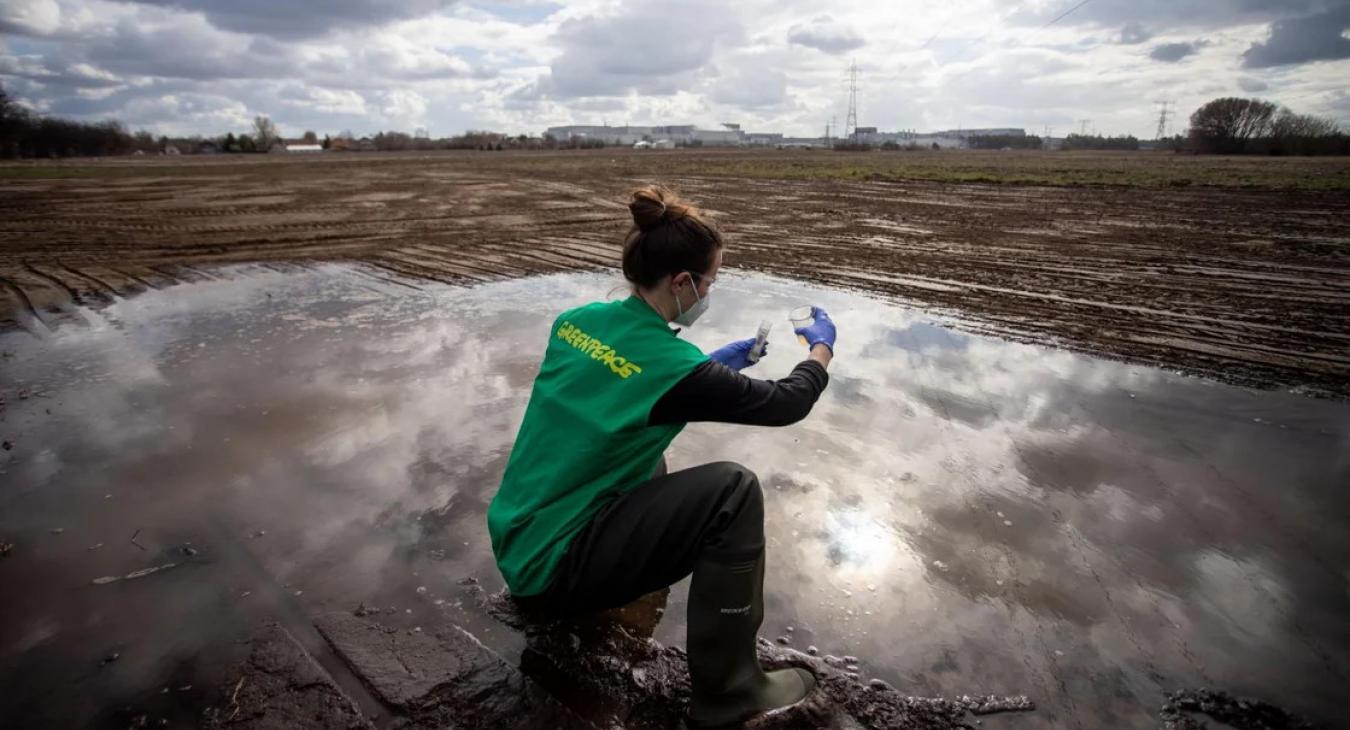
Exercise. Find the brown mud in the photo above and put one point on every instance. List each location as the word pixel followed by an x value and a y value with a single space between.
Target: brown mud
pixel 1242 284
pixel 611 673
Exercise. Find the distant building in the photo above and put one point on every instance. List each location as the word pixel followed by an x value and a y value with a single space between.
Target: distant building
pixel 989 132
pixel 732 135
pixel 763 138
pixel 663 144
pixel 304 148
pixel 679 134
pixel 625 135
pixel 715 137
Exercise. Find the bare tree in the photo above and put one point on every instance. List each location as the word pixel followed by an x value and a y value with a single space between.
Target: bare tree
pixel 310 137
pixel 1289 124
pixel 1304 134
pixel 14 123
pixel 264 132
pixel 1225 125
pixel 8 107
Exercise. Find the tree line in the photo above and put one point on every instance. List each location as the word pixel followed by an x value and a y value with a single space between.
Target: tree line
pixel 1235 126
pixel 1004 141
pixel 1099 142
pixel 1229 125
pixel 24 133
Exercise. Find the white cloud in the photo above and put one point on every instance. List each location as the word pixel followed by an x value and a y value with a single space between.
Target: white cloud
pixel 187 113
pixel 30 16
pixel 325 101
pixel 521 66
pixel 826 34
pixel 404 108
pixel 647 48
pixel 751 81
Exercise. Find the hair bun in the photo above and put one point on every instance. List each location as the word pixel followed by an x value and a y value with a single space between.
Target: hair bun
pixel 668 236
pixel 648 207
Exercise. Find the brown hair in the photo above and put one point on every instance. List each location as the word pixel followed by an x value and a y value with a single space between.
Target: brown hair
pixel 668 236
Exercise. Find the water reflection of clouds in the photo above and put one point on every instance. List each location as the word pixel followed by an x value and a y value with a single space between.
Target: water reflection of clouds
pixel 980 504
pixel 1033 480
pixel 856 540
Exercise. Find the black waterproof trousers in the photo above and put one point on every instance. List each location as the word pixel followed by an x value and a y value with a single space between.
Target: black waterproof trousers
pixel 652 537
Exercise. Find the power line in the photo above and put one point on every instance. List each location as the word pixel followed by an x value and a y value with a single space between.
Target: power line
pixel 1064 14
pixel 1002 21
pixel 962 45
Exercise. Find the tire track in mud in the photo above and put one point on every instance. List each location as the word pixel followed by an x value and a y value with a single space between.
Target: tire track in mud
pixel 73 294
pixel 138 279
pixel 106 291
pixel 22 307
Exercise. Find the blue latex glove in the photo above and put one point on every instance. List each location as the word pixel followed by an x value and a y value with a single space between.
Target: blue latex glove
pixel 735 355
pixel 819 332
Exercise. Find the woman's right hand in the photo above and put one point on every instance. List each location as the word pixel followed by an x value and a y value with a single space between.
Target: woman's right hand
pixel 820 332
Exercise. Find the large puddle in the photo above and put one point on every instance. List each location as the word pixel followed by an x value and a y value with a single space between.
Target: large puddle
pixel 961 513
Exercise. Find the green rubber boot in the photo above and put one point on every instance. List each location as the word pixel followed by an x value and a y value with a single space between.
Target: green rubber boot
pixel 726 608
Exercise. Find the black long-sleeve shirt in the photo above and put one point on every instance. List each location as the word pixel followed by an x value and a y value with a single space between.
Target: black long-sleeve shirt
pixel 715 392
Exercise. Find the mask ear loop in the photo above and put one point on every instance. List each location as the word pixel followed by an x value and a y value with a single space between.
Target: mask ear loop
pixel 679 307
pixel 694 282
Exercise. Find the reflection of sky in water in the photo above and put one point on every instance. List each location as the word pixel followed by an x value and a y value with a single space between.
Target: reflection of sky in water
pixel 962 513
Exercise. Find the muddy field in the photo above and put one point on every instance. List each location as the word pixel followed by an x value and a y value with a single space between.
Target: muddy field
pixel 1236 270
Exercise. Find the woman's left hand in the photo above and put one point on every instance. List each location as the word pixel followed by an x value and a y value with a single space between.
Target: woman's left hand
pixel 735 355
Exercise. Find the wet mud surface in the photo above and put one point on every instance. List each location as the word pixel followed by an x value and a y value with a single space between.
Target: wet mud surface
pixel 1247 286
pixel 200 478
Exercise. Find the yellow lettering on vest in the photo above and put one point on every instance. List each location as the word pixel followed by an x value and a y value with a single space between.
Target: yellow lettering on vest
pixel 597 350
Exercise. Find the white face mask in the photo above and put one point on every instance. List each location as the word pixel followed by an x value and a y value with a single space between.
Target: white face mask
pixel 686 318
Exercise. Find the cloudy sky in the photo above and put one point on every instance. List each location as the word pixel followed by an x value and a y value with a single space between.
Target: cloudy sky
pixel 208 66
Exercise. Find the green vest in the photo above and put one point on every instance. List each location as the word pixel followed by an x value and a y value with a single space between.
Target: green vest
pixel 585 438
